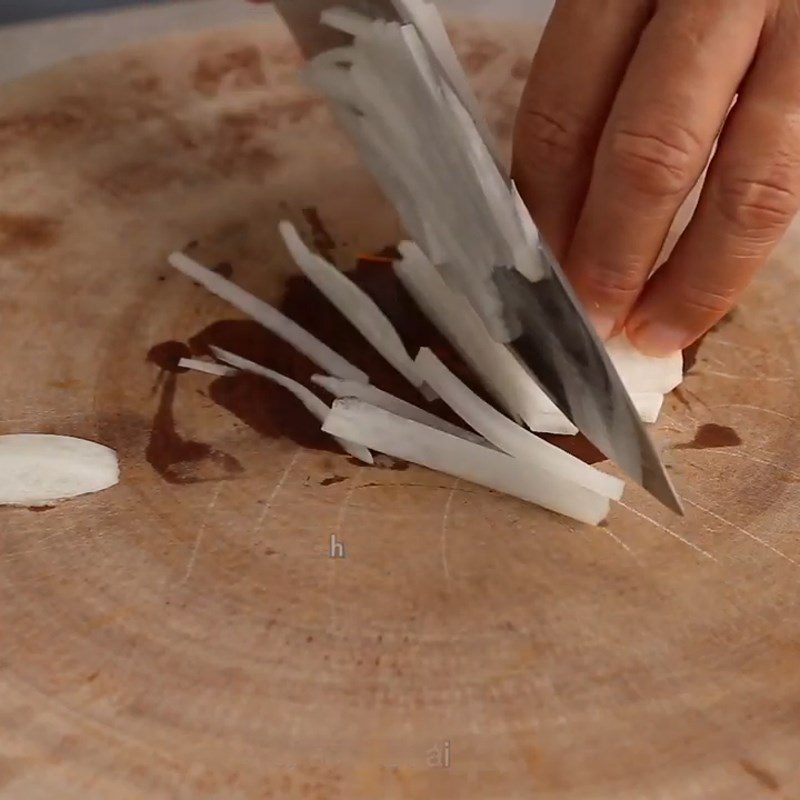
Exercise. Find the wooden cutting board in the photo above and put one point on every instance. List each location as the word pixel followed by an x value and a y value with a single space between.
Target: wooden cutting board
pixel 187 634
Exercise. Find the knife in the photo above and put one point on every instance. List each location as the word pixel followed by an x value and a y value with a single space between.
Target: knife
pixel 557 344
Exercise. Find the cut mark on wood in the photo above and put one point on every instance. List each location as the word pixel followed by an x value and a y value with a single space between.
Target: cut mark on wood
pixel 445 519
pixel 739 528
pixel 669 531
pixel 200 534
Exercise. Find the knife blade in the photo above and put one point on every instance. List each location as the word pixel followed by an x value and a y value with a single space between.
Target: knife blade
pixel 557 344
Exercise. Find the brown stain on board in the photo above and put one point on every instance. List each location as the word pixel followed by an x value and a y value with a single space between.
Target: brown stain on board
pixel 578 446
pixel 32 126
pixel 240 68
pixel 239 147
pixel 224 268
pixel 291 112
pixel 323 241
pixel 763 776
pixel 691 353
pixel 333 480
pixel 710 436
pixel 179 460
pixel 273 412
pixel 138 178
pixel 167 355
pixel 478 53
pixel 21 232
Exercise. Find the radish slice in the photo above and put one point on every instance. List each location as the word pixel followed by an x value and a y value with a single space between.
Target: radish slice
pixel 208 367
pixel 648 405
pixel 377 397
pixel 316 406
pixel 38 469
pixel 403 438
pixel 355 304
pixel 270 318
pixel 510 437
pixel 644 374
pixel 492 362
pixel 430 26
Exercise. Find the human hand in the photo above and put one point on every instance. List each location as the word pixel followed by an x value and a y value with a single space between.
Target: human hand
pixel 618 120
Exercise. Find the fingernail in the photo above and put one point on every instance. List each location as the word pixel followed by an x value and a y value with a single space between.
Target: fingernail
pixel 603 324
pixel 658 339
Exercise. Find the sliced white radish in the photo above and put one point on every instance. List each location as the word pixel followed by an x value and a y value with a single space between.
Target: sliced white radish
pixel 430 26
pixel 377 397
pixel 38 469
pixel 208 367
pixel 268 316
pixel 492 362
pixel 355 304
pixel 644 374
pixel 313 403
pixel 407 124
pixel 403 438
pixel 510 437
pixel 648 405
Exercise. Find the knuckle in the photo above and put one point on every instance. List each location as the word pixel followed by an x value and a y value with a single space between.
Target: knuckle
pixel 707 301
pixel 613 285
pixel 547 135
pixel 761 206
pixel 657 162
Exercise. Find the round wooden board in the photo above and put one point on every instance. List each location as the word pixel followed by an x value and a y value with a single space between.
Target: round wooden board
pixel 186 634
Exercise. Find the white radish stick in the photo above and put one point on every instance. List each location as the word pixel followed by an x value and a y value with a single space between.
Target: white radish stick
pixel 492 362
pixel 510 437
pixel 268 316
pixel 313 403
pixel 377 397
pixel 355 304
pixel 208 367
pixel 38 469
pixel 403 438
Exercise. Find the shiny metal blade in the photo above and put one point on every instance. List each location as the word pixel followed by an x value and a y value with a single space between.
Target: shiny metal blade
pixel 559 346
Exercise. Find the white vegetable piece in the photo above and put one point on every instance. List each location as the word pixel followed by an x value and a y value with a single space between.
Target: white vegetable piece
pixel 493 363
pixel 38 469
pixel 377 397
pixel 648 405
pixel 428 22
pixel 313 403
pixel 268 316
pixel 510 437
pixel 403 438
pixel 355 304
pixel 423 145
pixel 208 367
pixel 644 374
